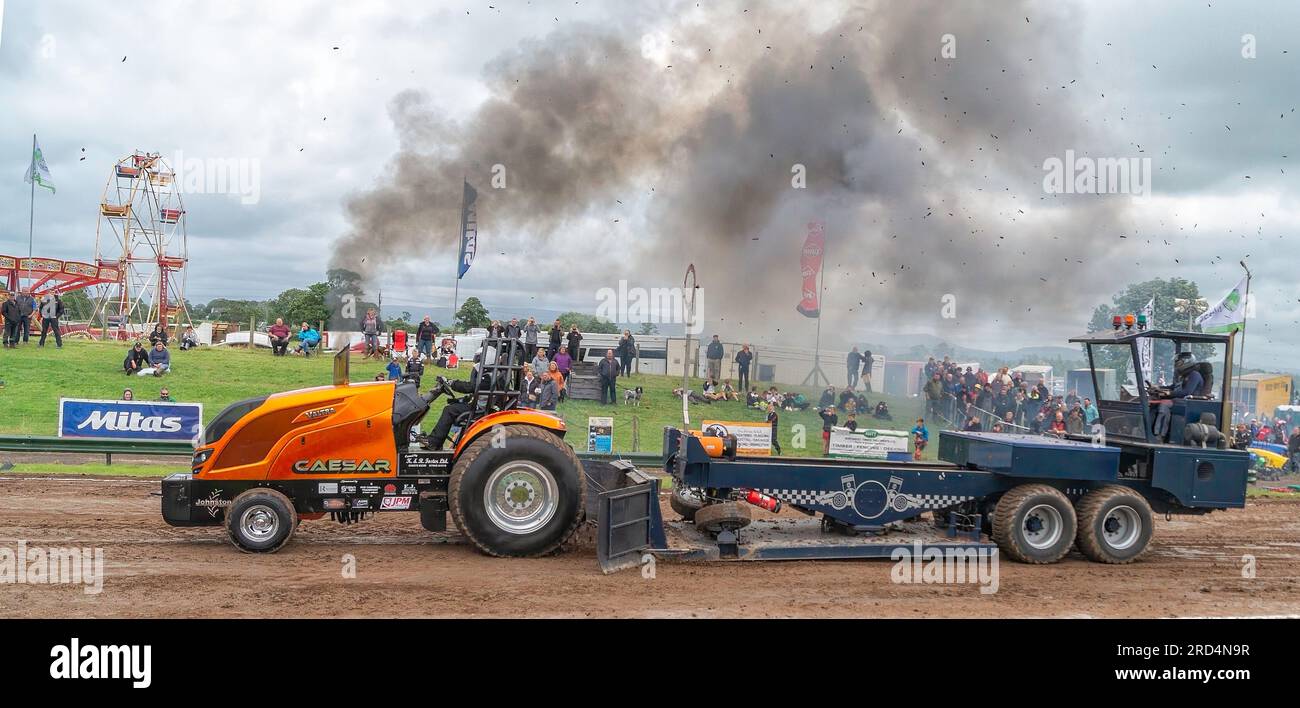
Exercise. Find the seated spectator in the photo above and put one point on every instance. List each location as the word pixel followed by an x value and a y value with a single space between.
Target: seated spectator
pixel 692 396
pixel 128 395
pixel 797 402
pixel 308 338
pixel 729 393
pixel 165 395
pixel 136 359
pixel 159 334
pixel 828 398
pixel 882 411
pixel 558 379
pixel 160 360
pixel 752 399
pixel 852 422
pixel 279 337
pixel 190 339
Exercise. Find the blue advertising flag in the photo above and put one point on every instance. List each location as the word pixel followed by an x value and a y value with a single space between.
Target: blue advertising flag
pixel 130 420
pixel 468 230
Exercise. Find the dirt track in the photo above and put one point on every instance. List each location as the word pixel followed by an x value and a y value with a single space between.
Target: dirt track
pixel 154 570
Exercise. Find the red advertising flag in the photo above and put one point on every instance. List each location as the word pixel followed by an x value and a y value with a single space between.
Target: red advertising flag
pixel 810 265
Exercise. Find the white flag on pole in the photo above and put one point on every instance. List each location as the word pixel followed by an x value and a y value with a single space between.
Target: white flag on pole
pixel 1146 344
pixel 1229 314
pixel 38 170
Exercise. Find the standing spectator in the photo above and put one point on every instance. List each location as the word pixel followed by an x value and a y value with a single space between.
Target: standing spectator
pixel 773 420
pixel 415 368
pixel 828 398
pixel 608 369
pixel 920 438
pixel 13 315
pixel 371 327
pixel 853 362
pixel 563 363
pixel 933 396
pixel 495 330
pixel 136 359
pixel 160 360
pixel 308 338
pixel 51 311
pixel 1090 413
pixel 512 330
pixel 279 337
pixel 26 306
pixel 829 419
pixel 548 396
pixel 575 338
pixel 540 363
pixel 626 352
pixel 1293 449
pixel 714 356
pixel 190 338
pixel 425 334
pixel 394 370
pixel 557 336
pixel 159 334
pixel 530 387
pixel 866 371
pixel 743 359
pixel 531 331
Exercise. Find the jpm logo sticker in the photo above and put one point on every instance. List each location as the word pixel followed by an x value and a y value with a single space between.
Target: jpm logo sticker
pixel 129 420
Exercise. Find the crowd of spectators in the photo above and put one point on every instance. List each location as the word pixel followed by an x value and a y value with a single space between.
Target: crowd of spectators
pixel 1004 402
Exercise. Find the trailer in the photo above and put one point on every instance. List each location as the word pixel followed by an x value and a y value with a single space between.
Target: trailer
pixel 1032 497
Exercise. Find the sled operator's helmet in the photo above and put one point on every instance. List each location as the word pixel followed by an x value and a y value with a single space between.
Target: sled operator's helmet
pixel 1183 362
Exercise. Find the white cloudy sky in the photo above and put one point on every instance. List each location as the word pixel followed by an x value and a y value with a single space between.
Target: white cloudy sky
pixel 263 81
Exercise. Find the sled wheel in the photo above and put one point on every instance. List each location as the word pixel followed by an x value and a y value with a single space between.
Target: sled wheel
pixel 261 520
pixel 685 501
pixel 1115 525
pixel 714 518
pixel 1034 523
pixel 522 497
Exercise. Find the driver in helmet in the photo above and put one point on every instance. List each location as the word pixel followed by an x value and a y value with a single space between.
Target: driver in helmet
pixel 455 409
pixel 1187 382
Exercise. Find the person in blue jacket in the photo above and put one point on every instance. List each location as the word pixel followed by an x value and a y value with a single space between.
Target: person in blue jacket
pixel 308 338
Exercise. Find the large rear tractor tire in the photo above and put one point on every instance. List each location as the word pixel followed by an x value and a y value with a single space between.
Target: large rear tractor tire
pixel 523 497
pixel 729 516
pixel 261 521
pixel 1034 523
pixel 1115 525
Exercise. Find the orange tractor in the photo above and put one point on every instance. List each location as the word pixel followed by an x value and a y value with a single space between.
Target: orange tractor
pixel 511 483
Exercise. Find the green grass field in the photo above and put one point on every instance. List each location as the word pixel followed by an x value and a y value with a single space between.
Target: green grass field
pixel 35 379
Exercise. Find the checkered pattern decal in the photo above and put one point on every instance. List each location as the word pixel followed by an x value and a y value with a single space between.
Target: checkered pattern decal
pixel 811 497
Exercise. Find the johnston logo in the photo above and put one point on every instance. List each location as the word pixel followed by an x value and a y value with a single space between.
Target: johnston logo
pixel 328 466
pixel 121 661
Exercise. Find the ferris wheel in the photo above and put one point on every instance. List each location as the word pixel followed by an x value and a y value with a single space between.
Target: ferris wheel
pixel 141 230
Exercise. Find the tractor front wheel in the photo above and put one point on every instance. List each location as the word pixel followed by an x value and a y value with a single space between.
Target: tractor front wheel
pixel 518 492
pixel 261 521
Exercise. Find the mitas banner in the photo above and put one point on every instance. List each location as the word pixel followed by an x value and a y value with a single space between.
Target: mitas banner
pixel 130 420
pixel 810 265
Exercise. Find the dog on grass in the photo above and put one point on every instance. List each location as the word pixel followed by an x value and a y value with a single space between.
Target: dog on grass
pixel 632 396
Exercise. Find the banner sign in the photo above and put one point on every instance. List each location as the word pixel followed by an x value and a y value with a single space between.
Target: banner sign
pixel 600 435
pixel 130 420
pixel 468 230
pixel 872 444
pixel 752 438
